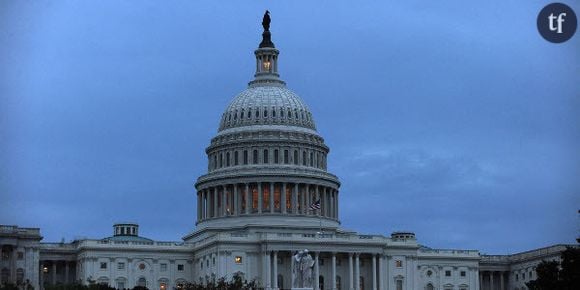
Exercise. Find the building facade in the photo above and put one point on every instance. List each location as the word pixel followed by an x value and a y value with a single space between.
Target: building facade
pixel 267 194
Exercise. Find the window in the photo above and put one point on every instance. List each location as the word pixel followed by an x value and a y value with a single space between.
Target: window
pixel 163 267
pixel 19 276
pixel 214 162
pixel 523 276
pixel 245 157
pixel 517 277
pixel 238 259
pixel 103 265
pixel 311 159
pixel 338 262
pixel 236 157
pixel 180 267
pixel 338 283
pixel 265 157
pixel 228 159
pixel 276 156
pixel 201 264
pixel 320 262
pixel 304 158
pixel 462 273
pixel 120 266
pixel 20 256
pixel 213 261
pixel 295 157
pixel 398 263
pixel 399 284
pixel 120 285
pixel 447 273
pixel 279 261
pixel 266 111
pixel 530 274
pixel 285 156
pixel 429 273
pixel 221 160
pixel 255 157
pixel 430 287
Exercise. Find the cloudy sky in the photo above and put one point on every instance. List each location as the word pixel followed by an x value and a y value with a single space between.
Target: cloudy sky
pixel 452 119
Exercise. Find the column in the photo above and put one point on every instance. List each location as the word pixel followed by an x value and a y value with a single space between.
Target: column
pixel 271 197
pixel 381 271
pixel 203 203
pixel 53 282
pixel 292 276
pixel 308 200
pixel 350 275
pixel 357 271
pixel 260 194
pixel 66 272
pixel 318 196
pixel 336 204
pixel 316 272
pixel 248 201
pixel 333 273
pixel 303 197
pixel 224 201
pixel 501 281
pixel 236 205
pixel 268 273
pixel 331 202
pixel 480 286
pixel 199 194
pixel 13 264
pixel 295 199
pixel 275 270
pixel 374 269
pixel 215 202
pixel 283 198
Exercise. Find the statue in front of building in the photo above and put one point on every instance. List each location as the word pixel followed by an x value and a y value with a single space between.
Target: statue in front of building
pixel 302 270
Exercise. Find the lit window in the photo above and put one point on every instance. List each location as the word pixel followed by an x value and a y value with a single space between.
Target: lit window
pixel 162 286
pixel 45 269
pixel 103 265
pixel 238 259
pixel 163 267
pixel 180 267
pixel 398 263
pixel 266 65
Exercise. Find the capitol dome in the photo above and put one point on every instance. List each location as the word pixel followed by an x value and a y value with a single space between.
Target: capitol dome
pixel 267 164
pixel 267 105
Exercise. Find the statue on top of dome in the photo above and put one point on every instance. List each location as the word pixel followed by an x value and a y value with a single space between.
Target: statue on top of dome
pixel 266 21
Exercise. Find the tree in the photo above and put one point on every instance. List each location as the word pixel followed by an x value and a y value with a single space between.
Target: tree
pixel 553 275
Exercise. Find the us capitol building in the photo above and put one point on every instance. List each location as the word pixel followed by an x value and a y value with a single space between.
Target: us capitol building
pixel 256 206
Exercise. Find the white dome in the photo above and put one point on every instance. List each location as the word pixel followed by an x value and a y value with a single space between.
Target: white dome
pixel 267 105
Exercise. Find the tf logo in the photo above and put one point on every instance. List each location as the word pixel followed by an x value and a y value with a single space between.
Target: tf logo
pixel 557 22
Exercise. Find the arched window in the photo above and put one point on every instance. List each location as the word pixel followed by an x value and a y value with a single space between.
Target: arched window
pixel 142 282
pixel 273 112
pixel 245 157
pixel 255 157
pixel 304 158
pixel 285 156
pixel 236 157
pixel 257 113
pixel 19 276
pixel 295 157
pixel 214 162
pixel 4 275
pixel 280 281
pixel 221 160
pixel 235 114
pixel 429 287
pixel 276 157
pixel 265 159
pixel 265 113
pixel 228 159
pixel 311 159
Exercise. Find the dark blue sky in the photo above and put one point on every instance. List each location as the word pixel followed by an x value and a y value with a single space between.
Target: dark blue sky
pixel 452 119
